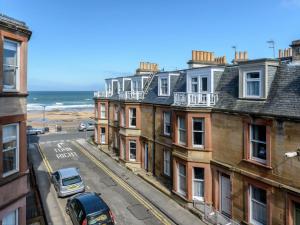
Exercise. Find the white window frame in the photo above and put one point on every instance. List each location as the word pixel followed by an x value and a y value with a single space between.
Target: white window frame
pixel 16 214
pixel 102 111
pixel 17 67
pixel 263 161
pixel 167 162
pixel 180 191
pixel 246 80
pixel 198 131
pixel 17 148
pixel 181 129
pixel 199 198
pixel 167 78
pixel 253 221
pixel 131 117
pixel 102 135
pixel 195 83
pixel 167 123
pixel 132 141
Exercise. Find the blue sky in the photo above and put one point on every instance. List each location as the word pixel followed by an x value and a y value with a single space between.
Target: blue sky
pixel 77 44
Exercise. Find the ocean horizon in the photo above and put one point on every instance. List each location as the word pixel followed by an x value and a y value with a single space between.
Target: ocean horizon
pixel 60 100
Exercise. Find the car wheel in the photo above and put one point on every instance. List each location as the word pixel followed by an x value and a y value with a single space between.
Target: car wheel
pixel 67 211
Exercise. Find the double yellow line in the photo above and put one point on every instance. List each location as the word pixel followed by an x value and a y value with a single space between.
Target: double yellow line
pixel 45 160
pixel 123 184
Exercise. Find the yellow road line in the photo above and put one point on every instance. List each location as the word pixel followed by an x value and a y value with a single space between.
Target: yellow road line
pixel 45 160
pixel 128 188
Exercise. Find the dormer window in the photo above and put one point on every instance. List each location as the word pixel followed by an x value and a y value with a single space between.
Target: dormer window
pixel 252 84
pixel 204 84
pixel 163 83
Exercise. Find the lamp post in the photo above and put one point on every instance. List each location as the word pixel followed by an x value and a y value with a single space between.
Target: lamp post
pixel 44 114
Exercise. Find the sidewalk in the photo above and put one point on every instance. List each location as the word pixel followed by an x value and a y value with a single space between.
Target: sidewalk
pixel 54 214
pixel 165 204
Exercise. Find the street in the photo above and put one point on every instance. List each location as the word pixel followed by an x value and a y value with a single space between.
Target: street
pixel 126 205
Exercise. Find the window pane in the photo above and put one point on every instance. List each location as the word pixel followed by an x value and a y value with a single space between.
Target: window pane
pixel 10 53
pixel 253 88
pixel 258 209
pixel 198 124
pixel 259 150
pixel 181 122
pixel 259 195
pixel 254 75
pixel 10 219
pixel 204 83
pixel 9 77
pixel 198 138
pixel 259 133
pixel 198 173
pixel 9 160
pixel 132 146
pixel 297 214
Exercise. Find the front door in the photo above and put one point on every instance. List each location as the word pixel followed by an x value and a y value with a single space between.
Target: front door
pixel 146 157
pixel 225 188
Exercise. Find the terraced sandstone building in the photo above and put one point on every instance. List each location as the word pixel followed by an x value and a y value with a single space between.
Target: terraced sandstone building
pixel 215 134
pixel 14 37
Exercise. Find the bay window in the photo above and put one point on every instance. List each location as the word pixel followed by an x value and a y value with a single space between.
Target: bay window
pixel 258 147
pixel 167 159
pixel 132 150
pixel 198 132
pixel 11 67
pixel 181 179
pixel 181 130
pixel 252 84
pixel 10 149
pixel 132 117
pixel 258 206
pixel 167 123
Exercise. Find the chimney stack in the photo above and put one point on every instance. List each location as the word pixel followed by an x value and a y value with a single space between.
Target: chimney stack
pixel 146 68
pixel 202 58
pixel 285 53
pixel 240 56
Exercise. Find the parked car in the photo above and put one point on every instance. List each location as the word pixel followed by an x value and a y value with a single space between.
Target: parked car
pixel 35 131
pixel 89 209
pixel 86 125
pixel 67 181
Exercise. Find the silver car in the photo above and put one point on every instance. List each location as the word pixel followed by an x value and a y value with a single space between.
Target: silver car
pixel 67 181
pixel 86 126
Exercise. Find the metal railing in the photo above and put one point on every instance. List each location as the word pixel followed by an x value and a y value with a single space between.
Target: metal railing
pixel 102 94
pixel 131 95
pixel 195 99
pixel 212 215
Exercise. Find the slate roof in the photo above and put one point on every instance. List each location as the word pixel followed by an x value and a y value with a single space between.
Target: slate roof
pixel 283 99
pixel 178 83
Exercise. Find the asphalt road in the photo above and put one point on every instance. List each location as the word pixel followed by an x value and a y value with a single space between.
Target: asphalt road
pixel 61 151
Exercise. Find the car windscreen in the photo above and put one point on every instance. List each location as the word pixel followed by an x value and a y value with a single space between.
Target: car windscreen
pixel 71 180
pixel 99 218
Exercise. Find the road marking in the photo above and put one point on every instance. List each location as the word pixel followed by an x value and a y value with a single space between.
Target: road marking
pixel 45 160
pixel 126 186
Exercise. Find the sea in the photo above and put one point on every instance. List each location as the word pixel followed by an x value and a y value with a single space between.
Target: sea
pixel 60 101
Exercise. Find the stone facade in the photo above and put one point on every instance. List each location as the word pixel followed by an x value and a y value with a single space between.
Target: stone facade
pixel 14 37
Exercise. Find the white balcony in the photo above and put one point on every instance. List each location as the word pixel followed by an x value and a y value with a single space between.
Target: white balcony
pixel 131 95
pixel 195 99
pixel 102 94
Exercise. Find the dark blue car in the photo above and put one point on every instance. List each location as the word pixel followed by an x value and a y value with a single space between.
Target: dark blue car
pixel 89 209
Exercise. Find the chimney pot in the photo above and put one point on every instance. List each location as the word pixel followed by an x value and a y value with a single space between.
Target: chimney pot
pixel 193 55
pixel 200 56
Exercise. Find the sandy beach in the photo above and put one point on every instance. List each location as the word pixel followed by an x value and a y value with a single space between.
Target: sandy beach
pixel 68 120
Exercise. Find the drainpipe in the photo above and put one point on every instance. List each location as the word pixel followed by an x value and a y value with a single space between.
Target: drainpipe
pixel 154 137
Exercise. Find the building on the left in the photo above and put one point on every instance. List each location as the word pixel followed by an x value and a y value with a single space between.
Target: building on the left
pixel 14 37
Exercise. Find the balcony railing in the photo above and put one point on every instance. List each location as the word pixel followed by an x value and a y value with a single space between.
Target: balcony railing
pixel 131 95
pixel 195 99
pixel 102 94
